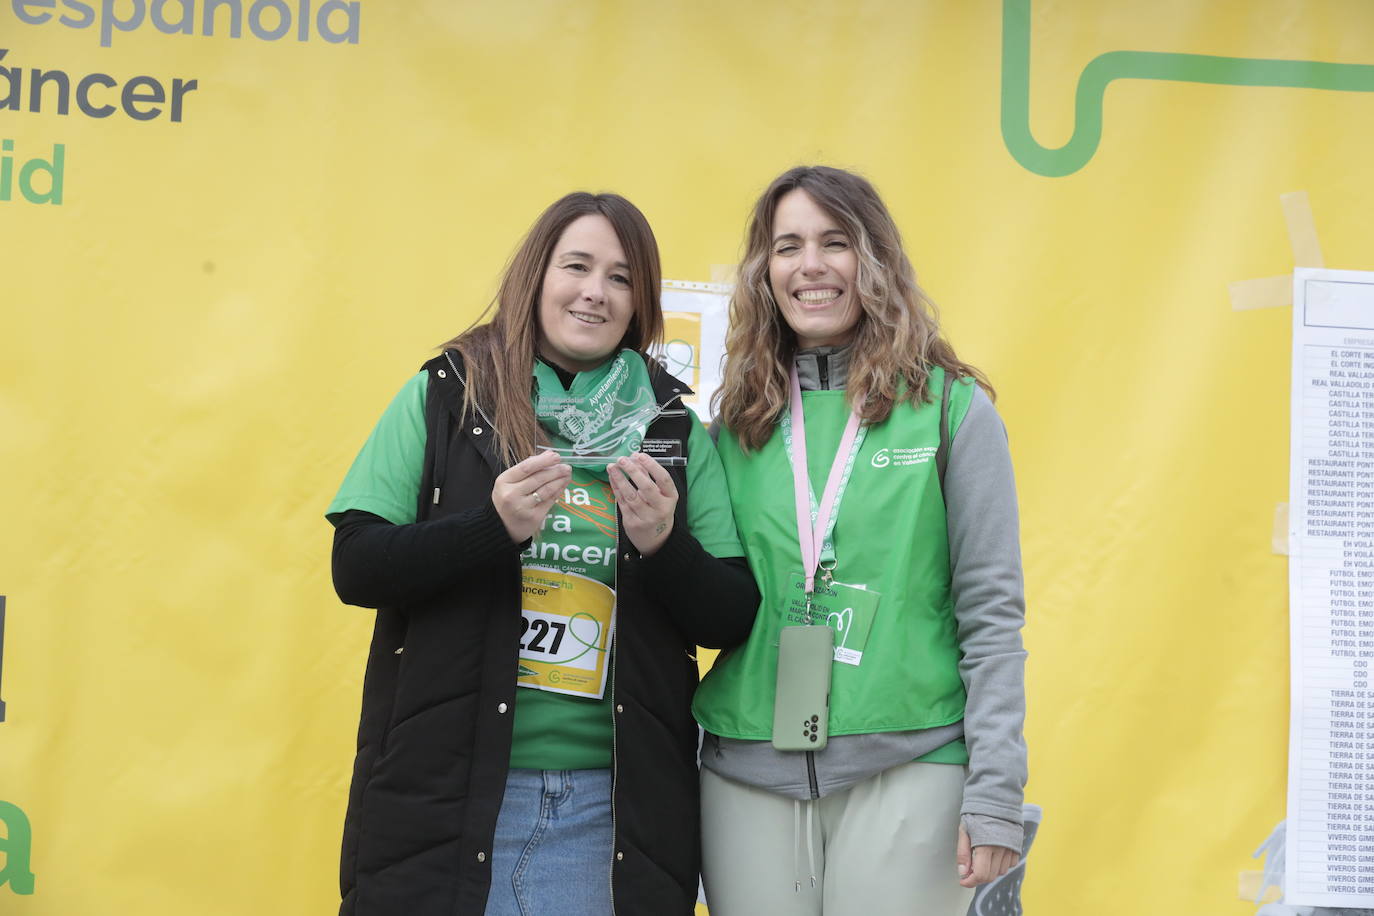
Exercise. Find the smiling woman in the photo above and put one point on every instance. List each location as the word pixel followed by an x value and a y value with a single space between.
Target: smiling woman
pixel 910 774
pixel 533 654
pixel 593 255
pixel 585 303
pixel 813 272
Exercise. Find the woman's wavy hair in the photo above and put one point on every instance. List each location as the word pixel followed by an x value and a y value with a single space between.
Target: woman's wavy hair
pixel 499 355
pixel 896 342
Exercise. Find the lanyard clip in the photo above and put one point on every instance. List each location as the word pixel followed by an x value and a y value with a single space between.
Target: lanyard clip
pixel 827 576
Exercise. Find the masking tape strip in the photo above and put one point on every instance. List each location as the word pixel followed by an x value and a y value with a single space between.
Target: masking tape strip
pixel 1262 293
pixel 1248 888
pixel 1272 292
pixel 1302 229
pixel 1280 542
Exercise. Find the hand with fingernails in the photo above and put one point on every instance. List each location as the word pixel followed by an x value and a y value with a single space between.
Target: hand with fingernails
pixel 647 497
pixel 982 864
pixel 524 493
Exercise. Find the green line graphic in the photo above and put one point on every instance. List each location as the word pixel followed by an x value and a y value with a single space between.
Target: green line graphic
pixel 1140 65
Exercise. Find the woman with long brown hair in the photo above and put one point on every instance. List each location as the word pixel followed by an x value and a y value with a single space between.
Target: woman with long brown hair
pixel 526 743
pixel 864 751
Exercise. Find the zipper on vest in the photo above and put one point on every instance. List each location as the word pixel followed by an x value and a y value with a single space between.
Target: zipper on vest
pixel 615 715
pixel 811 774
pixel 823 370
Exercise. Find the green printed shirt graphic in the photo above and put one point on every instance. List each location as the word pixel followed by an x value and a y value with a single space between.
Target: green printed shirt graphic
pixel 552 731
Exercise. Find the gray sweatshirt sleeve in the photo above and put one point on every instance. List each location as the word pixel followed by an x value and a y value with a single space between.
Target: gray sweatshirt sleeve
pixel 989 607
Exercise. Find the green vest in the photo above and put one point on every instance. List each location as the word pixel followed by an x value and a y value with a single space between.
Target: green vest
pixel 890 537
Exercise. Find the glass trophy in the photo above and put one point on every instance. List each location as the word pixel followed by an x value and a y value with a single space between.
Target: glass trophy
pixel 593 438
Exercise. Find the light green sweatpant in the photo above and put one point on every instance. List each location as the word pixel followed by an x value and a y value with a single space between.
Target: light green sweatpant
pixel 884 846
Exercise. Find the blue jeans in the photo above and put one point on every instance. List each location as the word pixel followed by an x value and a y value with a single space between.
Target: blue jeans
pixel 552 851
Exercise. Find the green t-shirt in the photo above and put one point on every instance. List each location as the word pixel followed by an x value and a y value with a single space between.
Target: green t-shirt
pixel 552 731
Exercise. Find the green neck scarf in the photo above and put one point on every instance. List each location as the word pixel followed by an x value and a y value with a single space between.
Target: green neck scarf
pixel 602 415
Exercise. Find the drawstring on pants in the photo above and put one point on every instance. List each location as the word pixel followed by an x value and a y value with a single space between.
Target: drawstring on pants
pixel 810 853
pixel 796 843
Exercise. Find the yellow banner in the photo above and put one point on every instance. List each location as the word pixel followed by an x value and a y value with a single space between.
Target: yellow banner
pixel 230 230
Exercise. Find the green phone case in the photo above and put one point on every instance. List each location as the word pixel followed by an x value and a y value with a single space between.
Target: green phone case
pixel 801 708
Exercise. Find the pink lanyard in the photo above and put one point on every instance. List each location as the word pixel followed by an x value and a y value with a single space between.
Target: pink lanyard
pixel 811 535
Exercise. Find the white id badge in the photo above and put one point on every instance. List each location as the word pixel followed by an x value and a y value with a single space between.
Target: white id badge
pixel 848 609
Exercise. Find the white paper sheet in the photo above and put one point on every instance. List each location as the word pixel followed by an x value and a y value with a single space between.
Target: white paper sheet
pixel 695 316
pixel 1330 845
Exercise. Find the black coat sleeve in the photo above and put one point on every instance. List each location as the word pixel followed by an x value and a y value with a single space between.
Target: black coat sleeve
pixel 378 564
pixel 713 600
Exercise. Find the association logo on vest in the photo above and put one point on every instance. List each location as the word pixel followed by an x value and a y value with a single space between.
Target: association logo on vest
pixel 902 457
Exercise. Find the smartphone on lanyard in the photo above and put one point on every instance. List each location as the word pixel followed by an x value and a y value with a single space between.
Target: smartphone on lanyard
pixel 801 707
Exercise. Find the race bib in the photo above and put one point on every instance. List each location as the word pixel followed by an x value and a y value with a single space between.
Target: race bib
pixel 566 627
pixel 847 609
